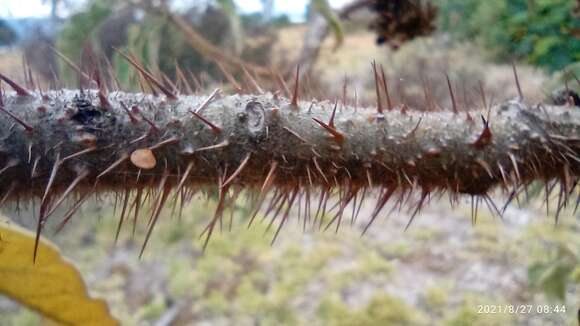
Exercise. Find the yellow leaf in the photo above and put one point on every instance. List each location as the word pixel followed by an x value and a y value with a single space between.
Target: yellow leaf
pixel 52 286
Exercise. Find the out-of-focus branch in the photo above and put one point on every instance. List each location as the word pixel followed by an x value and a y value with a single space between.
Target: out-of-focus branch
pixel 318 29
pixel 210 51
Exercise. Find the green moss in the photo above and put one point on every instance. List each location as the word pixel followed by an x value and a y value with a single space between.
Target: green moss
pixel 383 309
pixel 154 309
pixel 24 317
pixel 436 298
pixel 467 314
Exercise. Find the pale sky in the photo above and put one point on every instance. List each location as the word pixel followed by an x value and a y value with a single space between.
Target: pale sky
pixel 36 8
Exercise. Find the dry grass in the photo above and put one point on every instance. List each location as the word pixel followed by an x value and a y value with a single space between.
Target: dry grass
pixel 424 59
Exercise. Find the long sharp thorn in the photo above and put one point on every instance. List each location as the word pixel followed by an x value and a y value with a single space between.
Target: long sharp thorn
pixel 386 89
pixel 70 188
pixel 55 167
pixel 269 178
pixel 208 100
pixel 520 93
pixel 70 63
pixel 380 204
pixel 183 79
pixel 122 217
pixel 19 89
pixel 282 83
pixel 184 177
pixel 216 130
pixel 229 77
pixel 377 89
pixel 252 81
pixel 285 216
pixel 122 159
pixel 331 120
pixel 163 194
pixel 148 76
pixel 21 122
pixel 453 101
pixel 417 209
pixel 217 216
pixel 338 136
pixel 43 207
pixel 223 144
pixel 71 211
pixel 239 170
pixel 296 87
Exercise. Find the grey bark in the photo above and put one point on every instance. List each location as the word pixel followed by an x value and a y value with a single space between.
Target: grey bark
pixel 437 151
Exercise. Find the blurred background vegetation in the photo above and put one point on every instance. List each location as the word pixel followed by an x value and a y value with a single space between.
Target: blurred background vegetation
pixel 438 273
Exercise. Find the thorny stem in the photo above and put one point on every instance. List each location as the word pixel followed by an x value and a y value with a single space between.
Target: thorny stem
pixel 74 145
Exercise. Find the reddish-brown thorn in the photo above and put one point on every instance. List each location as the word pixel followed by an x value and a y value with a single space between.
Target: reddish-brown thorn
pixel 170 140
pixel 212 147
pixel 122 159
pixel 520 93
pixel 217 216
pixel 484 138
pixel 21 122
pixel 424 195
pixel 515 165
pixel 43 205
pixel 294 102
pixel 239 170
pixel 369 177
pixel 129 113
pixel 122 217
pixel 485 166
pixel 148 76
pixel 69 214
pixel 138 139
pixel 379 206
pixel 229 77
pixel 207 101
pixel 162 197
pixel 79 153
pixel 19 89
pixel 70 63
pixel 196 81
pixel 337 136
pixel 169 83
pixel 285 216
pixel 281 83
pixel 386 89
pixel 181 76
pixel 184 177
pixel 216 130
pixel 269 178
pixel 331 120
pixel 252 81
pixel 136 205
pixel 377 89
pixel 80 176
pixel 154 127
pixel 319 169
pixel 294 133
pixel 453 101
pixel 414 130
pixel 105 104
